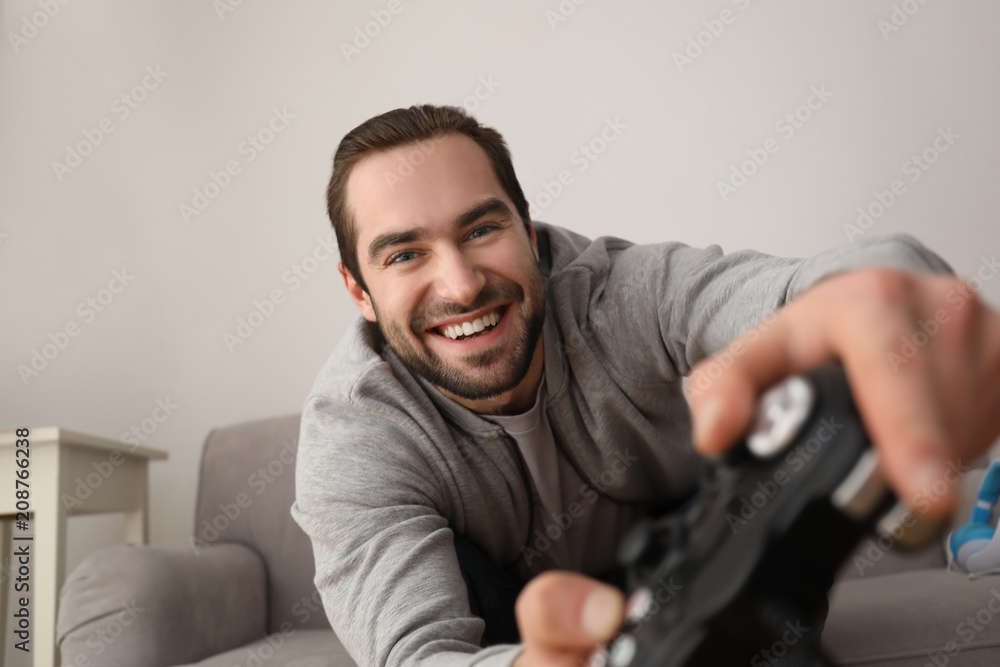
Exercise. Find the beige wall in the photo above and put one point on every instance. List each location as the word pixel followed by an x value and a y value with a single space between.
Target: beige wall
pixel 548 85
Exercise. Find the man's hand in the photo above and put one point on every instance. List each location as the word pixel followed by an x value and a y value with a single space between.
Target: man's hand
pixel 562 617
pixel 922 355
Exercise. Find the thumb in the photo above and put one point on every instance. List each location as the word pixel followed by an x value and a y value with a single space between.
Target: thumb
pixel 563 615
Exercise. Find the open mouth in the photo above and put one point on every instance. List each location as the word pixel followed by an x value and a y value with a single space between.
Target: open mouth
pixel 474 327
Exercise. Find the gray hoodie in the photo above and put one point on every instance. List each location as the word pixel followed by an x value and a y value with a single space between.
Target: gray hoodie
pixel 388 467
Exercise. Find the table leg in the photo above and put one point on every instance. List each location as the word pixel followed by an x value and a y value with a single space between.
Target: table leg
pixel 137 526
pixel 48 556
pixel 5 578
pixel 137 521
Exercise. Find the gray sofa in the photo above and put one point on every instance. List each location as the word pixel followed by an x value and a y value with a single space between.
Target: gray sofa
pixel 242 593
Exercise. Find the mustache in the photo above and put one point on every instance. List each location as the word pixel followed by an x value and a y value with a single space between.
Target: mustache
pixel 491 294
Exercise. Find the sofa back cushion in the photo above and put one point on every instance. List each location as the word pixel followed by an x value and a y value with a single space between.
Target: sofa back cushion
pixel 245 493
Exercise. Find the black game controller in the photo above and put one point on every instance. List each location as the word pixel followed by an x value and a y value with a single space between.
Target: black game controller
pixel 742 572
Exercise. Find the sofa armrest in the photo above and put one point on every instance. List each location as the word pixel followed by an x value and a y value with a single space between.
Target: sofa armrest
pixel 133 604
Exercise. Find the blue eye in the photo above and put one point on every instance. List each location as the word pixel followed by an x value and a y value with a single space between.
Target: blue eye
pixel 401 257
pixel 485 229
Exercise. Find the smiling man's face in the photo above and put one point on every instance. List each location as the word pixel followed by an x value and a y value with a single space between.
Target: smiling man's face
pixel 452 274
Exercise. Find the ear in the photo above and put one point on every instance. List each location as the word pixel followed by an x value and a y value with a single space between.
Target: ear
pixel 534 238
pixel 358 295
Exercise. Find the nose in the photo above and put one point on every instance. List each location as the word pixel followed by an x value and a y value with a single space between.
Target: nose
pixel 458 278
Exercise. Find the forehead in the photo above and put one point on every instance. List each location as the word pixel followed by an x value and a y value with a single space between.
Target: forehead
pixel 420 185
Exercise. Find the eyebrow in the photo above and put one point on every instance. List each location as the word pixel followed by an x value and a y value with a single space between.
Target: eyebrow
pixel 493 205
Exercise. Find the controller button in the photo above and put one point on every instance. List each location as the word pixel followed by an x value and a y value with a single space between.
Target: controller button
pixel 598 658
pixel 639 604
pixel 635 544
pixel 622 651
pixel 863 489
pixel 782 411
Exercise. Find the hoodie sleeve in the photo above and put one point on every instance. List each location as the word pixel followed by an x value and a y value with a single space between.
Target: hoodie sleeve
pixel 677 305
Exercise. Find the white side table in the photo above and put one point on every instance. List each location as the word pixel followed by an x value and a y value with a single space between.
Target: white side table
pixel 70 473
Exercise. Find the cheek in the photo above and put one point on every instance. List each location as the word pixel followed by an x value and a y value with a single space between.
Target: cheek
pixel 523 270
pixel 398 303
pixel 514 263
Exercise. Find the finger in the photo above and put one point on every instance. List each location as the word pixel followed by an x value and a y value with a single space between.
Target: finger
pixel 897 401
pixel 723 389
pixel 563 612
pixel 898 395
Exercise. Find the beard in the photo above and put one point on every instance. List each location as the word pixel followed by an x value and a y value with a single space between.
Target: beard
pixel 481 374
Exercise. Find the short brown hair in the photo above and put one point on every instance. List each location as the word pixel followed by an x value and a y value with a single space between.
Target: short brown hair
pixel 400 127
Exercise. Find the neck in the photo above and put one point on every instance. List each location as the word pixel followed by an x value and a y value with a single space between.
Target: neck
pixel 516 400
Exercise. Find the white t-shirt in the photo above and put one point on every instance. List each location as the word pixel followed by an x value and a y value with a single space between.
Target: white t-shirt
pixel 575 528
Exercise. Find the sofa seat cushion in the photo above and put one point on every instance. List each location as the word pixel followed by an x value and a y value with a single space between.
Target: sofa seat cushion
pixel 293 648
pixel 929 617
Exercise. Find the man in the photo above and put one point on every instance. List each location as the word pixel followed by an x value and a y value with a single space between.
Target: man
pixel 513 392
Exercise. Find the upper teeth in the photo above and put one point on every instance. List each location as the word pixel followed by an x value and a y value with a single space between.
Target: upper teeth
pixel 473 326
